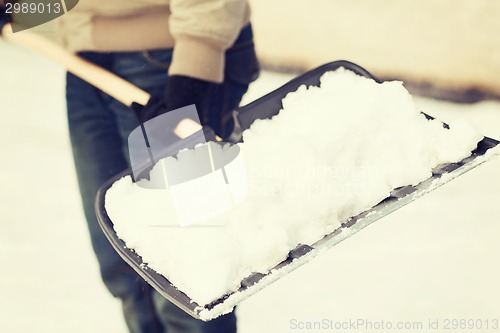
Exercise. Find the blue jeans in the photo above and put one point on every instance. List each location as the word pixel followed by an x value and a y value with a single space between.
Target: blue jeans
pixel 99 127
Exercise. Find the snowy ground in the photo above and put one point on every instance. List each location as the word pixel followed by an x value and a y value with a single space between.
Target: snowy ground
pixel 436 259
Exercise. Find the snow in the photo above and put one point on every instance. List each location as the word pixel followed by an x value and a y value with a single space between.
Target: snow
pixel 434 259
pixel 333 152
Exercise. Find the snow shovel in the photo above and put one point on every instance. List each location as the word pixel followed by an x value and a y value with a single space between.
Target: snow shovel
pixel 263 108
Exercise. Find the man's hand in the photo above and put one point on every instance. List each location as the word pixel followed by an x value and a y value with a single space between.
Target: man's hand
pixel 181 91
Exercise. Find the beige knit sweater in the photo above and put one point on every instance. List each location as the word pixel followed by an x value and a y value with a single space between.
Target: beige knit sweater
pixel 200 29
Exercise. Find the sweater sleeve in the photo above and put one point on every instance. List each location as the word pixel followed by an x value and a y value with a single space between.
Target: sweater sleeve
pixel 203 30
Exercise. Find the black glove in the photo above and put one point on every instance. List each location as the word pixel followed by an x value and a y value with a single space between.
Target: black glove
pixel 4 18
pixel 181 91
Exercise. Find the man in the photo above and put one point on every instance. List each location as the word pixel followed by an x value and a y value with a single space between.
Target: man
pixel 182 52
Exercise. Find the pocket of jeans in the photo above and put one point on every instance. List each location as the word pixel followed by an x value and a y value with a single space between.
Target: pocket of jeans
pixel 159 58
pixel 242 65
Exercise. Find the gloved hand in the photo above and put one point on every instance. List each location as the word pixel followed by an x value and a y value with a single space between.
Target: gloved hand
pixel 4 19
pixel 181 91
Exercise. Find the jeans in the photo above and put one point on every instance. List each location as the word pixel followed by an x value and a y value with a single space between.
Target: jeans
pixel 99 127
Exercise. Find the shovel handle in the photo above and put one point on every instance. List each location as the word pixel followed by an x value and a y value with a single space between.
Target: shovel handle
pixel 116 87
pixel 113 85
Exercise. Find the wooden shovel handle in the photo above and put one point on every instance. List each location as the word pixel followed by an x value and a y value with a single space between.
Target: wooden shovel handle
pixel 118 88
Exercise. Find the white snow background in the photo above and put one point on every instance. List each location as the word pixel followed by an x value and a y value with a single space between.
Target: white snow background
pixel 434 259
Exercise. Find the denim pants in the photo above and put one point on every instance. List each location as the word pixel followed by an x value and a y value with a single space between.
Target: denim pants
pixel 99 127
